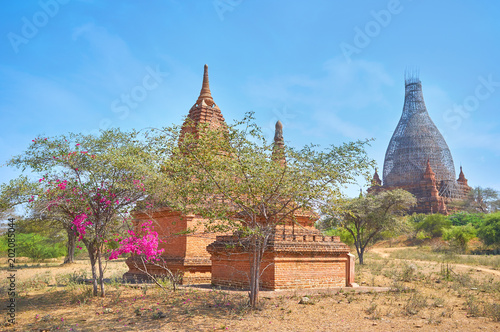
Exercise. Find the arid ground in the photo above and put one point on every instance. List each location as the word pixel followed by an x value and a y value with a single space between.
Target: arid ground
pixel 402 289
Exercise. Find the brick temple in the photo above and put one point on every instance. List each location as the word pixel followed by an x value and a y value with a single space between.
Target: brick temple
pixel 184 254
pixel 297 255
pixel 418 159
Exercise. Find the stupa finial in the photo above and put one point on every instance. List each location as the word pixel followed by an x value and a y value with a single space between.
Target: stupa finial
pixel 205 87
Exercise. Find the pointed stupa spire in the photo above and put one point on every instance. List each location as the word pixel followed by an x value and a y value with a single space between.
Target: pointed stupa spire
pixel 205 89
pixel 461 177
pixel 279 144
pixel 204 110
pixel 376 179
pixel 428 169
pixel 278 133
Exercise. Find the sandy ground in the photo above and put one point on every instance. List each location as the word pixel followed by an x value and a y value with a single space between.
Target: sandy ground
pixel 426 302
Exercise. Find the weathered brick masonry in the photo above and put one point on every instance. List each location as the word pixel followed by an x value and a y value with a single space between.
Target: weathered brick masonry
pixel 296 257
pixel 185 254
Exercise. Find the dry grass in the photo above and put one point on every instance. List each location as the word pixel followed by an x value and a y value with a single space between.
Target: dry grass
pixel 426 254
pixel 427 295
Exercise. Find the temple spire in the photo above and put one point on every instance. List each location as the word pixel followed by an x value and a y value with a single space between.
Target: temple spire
pixel 205 88
pixel 376 179
pixel 461 177
pixel 428 169
pixel 278 134
pixel 279 144
pixel 203 111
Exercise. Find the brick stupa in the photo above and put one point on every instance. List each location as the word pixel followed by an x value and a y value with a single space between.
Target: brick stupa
pixel 184 254
pixel 297 256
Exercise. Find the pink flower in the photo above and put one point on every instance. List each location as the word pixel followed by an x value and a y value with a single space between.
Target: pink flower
pixel 80 223
pixel 146 245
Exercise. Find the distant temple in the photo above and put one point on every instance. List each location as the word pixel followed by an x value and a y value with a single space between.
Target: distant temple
pixel 418 159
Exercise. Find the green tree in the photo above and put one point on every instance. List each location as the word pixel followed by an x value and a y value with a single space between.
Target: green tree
pixel 238 181
pixel 464 218
pixel 460 236
pixel 38 247
pixel 366 217
pixel 343 233
pixel 22 192
pixel 89 183
pixel 482 200
pixel 489 231
pixel 434 224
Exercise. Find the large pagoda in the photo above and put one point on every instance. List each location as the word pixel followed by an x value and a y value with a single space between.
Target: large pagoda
pixel 184 254
pixel 418 159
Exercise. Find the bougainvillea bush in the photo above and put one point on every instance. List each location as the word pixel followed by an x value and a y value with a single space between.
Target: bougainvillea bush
pixel 91 183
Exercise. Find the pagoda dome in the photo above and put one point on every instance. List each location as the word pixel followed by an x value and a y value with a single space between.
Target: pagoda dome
pixel 415 141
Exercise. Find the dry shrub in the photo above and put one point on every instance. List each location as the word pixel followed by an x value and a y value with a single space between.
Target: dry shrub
pixel 415 303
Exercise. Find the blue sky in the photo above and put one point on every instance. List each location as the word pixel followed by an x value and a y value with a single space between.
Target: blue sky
pixel 331 71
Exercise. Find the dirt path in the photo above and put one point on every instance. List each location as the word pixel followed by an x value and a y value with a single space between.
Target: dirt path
pixel 386 252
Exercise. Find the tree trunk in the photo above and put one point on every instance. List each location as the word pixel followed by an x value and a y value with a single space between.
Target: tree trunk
pixel 101 272
pixel 70 256
pixel 360 255
pixel 258 247
pixel 92 265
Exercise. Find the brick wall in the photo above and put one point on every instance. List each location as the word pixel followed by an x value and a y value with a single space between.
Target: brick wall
pixel 185 253
pixel 281 270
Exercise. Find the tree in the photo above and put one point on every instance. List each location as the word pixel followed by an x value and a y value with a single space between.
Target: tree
pixel 241 183
pixel 93 181
pixel 489 231
pixel 482 200
pixel 22 191
pixel 460 236
pixel 434 224
pixel 368 216
pixel 38 247
pixel 464 218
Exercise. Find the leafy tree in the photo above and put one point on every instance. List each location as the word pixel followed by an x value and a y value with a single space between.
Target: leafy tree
pixel 241 183
pixel 416 217
pixel 464 218
pixel 482 200
pixel 460 235
pixel 38 247
pixel 434 224
pixel 344 234
pixel 366 217
pixel 92 181
pixel 23 191
pixel 489 231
